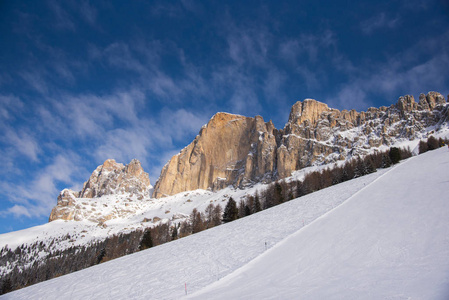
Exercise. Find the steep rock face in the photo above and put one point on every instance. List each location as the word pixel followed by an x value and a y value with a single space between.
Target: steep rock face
pixel 230 148
pixel 236 150
pixel 110 178
pixel 115 178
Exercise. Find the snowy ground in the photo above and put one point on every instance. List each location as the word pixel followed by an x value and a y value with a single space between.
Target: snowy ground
pixel 389 240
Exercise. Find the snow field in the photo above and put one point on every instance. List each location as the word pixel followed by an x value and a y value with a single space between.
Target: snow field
pixel 389 241
pixel 197 260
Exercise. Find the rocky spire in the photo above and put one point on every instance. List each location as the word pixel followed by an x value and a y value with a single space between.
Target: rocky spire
pixel 110 178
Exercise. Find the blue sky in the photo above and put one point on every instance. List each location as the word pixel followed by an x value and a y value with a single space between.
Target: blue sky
pixel 83 81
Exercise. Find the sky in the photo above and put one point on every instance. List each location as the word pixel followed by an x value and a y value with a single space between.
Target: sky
pixel 84 81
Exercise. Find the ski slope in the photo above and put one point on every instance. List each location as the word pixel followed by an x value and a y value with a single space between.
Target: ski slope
pixel 382 236
pixel 389 241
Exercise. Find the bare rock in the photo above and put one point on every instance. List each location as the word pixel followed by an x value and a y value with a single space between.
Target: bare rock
pixel 230 149
pixel 110 178
pixel 237 150
pixel 115 178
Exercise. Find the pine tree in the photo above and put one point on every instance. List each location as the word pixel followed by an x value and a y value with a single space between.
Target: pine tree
pixel 277 193
pixel 231 212
pixel 247 211
pixel 395 155
pixel 257 207
pixel 218 211
pixel 147 240
pixel 432 143
pixel 174 234
pixel 101 255
pixel 197 221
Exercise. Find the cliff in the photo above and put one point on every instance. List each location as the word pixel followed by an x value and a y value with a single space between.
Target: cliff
pixel 237 150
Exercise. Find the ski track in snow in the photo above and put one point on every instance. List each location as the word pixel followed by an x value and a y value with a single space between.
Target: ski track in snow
pixel 197 260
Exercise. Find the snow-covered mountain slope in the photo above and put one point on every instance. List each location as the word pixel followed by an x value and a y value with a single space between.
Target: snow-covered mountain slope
pixel 388 240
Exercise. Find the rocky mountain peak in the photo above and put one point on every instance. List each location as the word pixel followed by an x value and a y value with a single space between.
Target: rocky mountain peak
pixel 309 110
pixel 228 148
pixel 110 178
pixel 237 150
pixel 115 178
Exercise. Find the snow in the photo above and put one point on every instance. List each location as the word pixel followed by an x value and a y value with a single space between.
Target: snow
pixel 388 241
pixel 381 236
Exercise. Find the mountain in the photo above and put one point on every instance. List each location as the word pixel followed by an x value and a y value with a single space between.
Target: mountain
pixel 380 236
pixel 233 156
pixel 129 184
pixel 240 151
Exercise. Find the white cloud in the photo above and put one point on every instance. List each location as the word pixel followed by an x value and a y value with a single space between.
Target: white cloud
pixel 10 106
pixel 88 12
pixel 249 46
pixel 22 142
pixel 379 21
pixel 306 47
pixel 63 20
pixel 125 144
pixel 38 196
pixel 179 123
pixel 35 79
pixel 18 211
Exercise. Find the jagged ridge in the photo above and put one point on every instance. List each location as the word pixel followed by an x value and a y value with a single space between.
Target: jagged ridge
pixel 237 150
pixel 129 183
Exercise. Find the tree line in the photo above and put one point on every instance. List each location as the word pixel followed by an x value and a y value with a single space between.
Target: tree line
pixel 431 143
pixel 282 191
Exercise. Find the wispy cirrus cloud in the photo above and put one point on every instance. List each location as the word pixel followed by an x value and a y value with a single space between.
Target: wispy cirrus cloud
pixel 63 19
pixel 36 198
pixel 380 21
pixel 307 47
pixel 405 73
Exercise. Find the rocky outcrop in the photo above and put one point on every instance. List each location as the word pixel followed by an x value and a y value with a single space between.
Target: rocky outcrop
pixel 230 148
pixel 237 150
pixel 115 178
pixel 128 182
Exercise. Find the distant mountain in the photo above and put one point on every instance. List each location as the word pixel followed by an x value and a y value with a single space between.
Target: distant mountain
pixel 129 184
pixel 240 151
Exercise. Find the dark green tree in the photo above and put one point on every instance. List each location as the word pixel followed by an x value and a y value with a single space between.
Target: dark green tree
pixel 174 234
pixel 230 212
pixel 432 143
pixel 101 255
pixel 5 286
pixel 277 193
pixel 147 240
pixel 395 155
pixel 247 210
pixel 423 147
pixel 256 205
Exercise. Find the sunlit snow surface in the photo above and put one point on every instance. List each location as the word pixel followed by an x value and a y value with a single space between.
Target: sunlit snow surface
pixel 388 240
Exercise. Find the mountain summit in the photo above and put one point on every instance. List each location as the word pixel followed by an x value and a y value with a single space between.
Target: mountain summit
pixel 109 179
pixel 237 150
